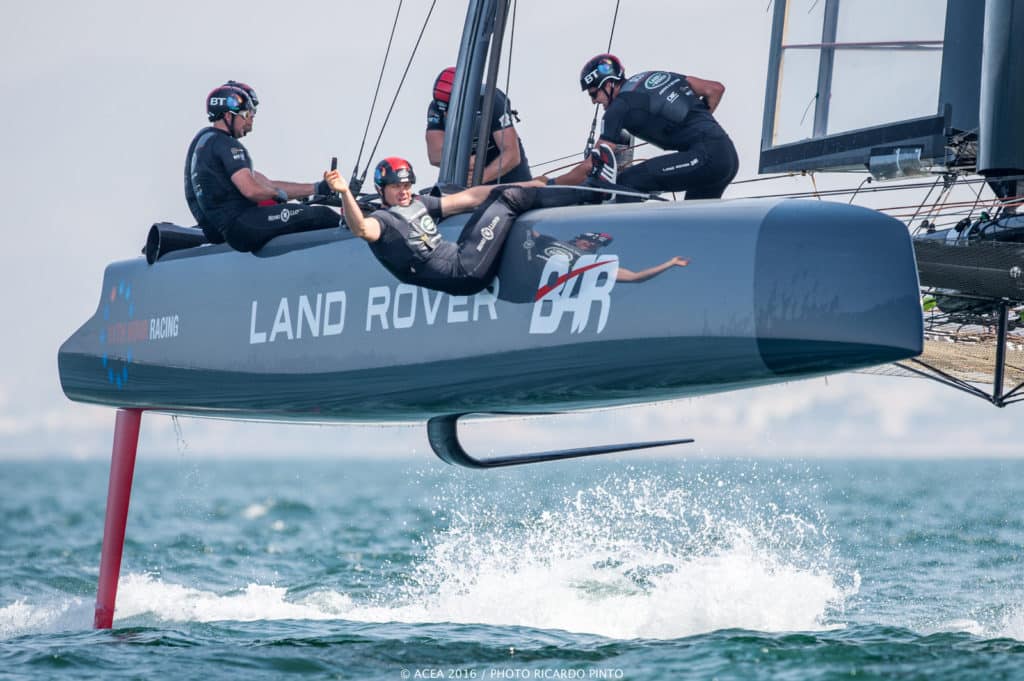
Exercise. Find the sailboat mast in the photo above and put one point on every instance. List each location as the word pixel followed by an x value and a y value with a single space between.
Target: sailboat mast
pixel 487 107
pixel 469 70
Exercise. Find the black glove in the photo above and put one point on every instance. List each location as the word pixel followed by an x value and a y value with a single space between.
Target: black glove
pixel 321 188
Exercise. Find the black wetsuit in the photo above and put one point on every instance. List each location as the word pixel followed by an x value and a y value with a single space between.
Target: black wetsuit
pixel 501 119
pixel 661 108
pixel 412 249
pixel 211 232
pixel 224 213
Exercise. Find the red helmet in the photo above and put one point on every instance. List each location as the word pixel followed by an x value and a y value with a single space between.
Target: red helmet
pixel 599 69
pixel 443 87
pixel 392 170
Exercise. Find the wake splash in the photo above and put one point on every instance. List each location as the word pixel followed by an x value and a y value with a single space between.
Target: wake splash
pixel 646 557
pixel 629 558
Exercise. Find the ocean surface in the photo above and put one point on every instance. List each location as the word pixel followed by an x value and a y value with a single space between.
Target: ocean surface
pixel 618 568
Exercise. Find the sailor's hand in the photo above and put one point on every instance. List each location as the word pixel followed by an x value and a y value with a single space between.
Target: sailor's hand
pixel 335 181
pixel 680 261
pixel 321 188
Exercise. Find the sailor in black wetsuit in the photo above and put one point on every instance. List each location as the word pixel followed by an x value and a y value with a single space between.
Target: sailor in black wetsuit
pixel 505 156
pixel 226 196
pixel 404 236
pixel 669 110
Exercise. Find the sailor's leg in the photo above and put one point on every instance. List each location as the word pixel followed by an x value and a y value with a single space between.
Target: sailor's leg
pixel 703 171
pixel 482 239
pixel 258 225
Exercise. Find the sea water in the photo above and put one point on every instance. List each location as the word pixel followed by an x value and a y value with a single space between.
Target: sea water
pixel 616 568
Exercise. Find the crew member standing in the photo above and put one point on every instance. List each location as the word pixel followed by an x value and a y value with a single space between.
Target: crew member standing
pixel 225 194
pixel 669 110
pixel 504 156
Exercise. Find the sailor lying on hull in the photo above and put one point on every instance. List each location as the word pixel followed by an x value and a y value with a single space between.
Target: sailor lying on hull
pixel 403 234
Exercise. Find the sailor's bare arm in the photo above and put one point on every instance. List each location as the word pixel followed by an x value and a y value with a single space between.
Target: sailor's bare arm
pixel 363 227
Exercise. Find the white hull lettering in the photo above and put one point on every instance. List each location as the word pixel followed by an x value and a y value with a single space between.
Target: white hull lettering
pixel 163 327
pixel 573 293
pixel 400 308
pixel 305 316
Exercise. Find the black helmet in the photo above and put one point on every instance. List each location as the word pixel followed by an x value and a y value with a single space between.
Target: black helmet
pixel 227 99
pixel 599 239
pixel 443 87
pixel 248 90
pixel 599 69
pixel 392 170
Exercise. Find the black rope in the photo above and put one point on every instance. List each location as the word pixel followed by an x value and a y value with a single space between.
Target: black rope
pixel 355 168
pixel 597 107
pixel 920 206
pixel 866 180
pixel 615 19
pixel 398 90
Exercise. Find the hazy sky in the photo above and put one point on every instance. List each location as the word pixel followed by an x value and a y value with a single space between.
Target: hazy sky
pixel 100 100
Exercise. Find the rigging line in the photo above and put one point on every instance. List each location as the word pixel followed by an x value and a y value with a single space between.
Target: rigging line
pixel 597 107
pixel 841 192
pixel 380 79
pixel 615 19
pixel 763 179
pixel 860 186
pixel 814 184
pixel 923 201
pixel 940 203
pixel 977 197
pixel 398 90
pixel 631 147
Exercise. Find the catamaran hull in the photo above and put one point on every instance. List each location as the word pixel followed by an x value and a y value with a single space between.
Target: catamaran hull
pixel 313 328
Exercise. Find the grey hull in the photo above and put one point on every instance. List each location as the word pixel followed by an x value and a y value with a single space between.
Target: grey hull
pixel 313 328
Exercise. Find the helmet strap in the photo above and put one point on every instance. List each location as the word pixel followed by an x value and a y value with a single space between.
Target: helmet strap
pixel 231 125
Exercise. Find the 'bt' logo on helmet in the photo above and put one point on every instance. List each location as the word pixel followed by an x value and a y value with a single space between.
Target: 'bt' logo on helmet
pixel 230 102
pixel 602 69
pixel 656 80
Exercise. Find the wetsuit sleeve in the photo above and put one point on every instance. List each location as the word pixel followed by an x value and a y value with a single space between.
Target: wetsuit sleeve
pixel 501 114
pixel 435 117
pixel 387 220
pixel 614 120
pixel 231 154
pixel 433 205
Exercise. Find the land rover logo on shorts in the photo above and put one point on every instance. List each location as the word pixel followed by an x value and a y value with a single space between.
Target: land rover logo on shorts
pixel 487 233
pixel 656 80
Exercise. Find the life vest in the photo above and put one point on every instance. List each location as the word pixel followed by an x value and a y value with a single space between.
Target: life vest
pixel 417 228
pixel 669 95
